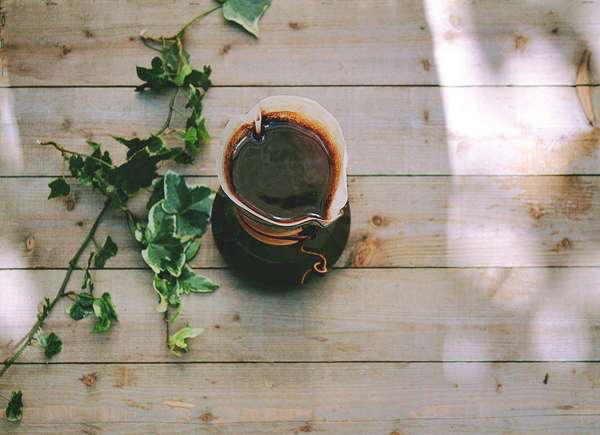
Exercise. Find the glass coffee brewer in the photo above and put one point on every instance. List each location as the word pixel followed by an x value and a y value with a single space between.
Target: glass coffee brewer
pixel 281 214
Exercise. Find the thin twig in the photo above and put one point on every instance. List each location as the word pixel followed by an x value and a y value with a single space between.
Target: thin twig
pixel 66 151
pixel 161 39
pixel 61 292
pixel 167 123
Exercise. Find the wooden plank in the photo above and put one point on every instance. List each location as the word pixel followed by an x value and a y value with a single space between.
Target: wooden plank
pixel 221 395
pixel 387 42
pixel 396 222
pixel 352 315
pixel 390 131
pixel 571 424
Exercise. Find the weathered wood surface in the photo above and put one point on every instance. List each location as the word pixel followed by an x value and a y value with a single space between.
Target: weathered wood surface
pixel 390 131
pixel 275 396
pixel 484 335
pixel 563 424
pixel 396 222
pixel 381 42
pixel 352 315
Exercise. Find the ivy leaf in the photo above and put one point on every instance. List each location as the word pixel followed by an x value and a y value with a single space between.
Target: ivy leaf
pixel 153 144
pixel 157 194
pixel 139 171
pixel 163 252
pixel 88 280
pixel 49 342
pixel 43 308
pixel 108 250
pixel 185 71
pixel 246 13
pixel 200 79
pixel 14 409
pixel 155 77
pixel 102 307
pixel 105 312
pixel 58 187
pixel 168 290
pixel 191 282
pixel 75 165
pixel 82 307
pixel 191 250
pixel 191 206
pixel 178 341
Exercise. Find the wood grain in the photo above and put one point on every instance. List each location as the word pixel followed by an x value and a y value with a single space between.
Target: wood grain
pixel 396 222
pixel 352 315
pixel 224 396
pixel 385 42
pixel 390 131
pixel 560 424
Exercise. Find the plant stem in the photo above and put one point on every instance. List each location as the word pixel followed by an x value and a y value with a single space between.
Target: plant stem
pixel 166 318
pixel 66 151
pixel 61 291
pixel 170 114
pixel 162 39
pixel 196 18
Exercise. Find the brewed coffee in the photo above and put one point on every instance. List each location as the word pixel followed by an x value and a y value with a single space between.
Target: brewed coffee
pixel 285 173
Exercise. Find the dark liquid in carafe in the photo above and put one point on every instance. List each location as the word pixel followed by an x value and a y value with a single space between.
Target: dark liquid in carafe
pixel 284 174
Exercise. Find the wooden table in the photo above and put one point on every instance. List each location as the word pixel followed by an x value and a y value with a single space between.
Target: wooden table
pixel 468 298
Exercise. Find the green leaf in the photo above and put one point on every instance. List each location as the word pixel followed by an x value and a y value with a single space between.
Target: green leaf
pixel 75 165
pixel 178 341
pixel 191 250
pixel 246 13
pixel 49 342
pixel 105 312
pixel 164 252
pixel 58 187
pixel 14 409
pixel 176 193
pixel 88 280
pixel 82 307
pixel 169 291
pixel 190 206
pixel 157 192
pixel 102 307
pixel 43 308
pixel 191 282
pixel 108 250
pixel 153 144
pixel 200 79
pixel 185 71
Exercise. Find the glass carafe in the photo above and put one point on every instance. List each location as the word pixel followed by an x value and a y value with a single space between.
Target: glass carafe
pixel 281 214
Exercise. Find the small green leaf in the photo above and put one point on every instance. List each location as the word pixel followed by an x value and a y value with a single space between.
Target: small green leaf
pixel 49 342
pixel 176 193
pixel 169 291
pixel 108 250
pixel 43 308
pixel 88 280
pixel 191 249
pixel 82 307
pixel 185 71
pixel 246 13
pixel 58 187
pixel 14 409
pixel 164 252
pixel 102 307
pixel 105 312
pixel 190 206
pixel 178 341
pixel 75 165
pixel 191 282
